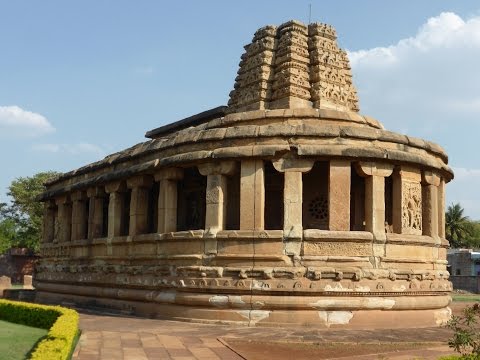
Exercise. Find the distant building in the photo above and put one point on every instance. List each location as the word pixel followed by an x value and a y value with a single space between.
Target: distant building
pixel 464 268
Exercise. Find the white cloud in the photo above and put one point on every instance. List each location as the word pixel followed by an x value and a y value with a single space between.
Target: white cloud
pixel 435 72
pixel 73 149
pixel 17 122
pixel 428 85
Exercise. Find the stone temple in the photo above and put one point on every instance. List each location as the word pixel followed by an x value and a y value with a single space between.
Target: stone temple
pixel 286 207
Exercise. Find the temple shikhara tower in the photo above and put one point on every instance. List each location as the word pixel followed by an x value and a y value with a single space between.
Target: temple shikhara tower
pixel 285 207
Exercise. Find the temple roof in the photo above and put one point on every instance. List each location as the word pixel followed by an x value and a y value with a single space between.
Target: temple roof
pixel 294 66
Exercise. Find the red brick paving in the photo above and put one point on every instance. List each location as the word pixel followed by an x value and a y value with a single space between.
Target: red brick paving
pixel 111 337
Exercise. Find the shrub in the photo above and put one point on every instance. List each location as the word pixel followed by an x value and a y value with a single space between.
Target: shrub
pixel 466 332
pixel 62 322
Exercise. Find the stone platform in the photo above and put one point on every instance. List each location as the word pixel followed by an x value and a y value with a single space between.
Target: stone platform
pixel 109 337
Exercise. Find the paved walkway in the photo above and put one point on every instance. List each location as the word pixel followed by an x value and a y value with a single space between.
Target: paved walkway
pixel 110 337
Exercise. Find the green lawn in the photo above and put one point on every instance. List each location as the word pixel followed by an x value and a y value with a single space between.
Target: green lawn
pixel 465 297
pixel 16 341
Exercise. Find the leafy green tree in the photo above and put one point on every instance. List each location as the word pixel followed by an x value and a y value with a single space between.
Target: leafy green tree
pixel 457 226
pixel 472 240
pixel 21 220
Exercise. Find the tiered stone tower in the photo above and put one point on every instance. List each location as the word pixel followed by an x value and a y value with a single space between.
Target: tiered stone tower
pixel 293 66
pixel 286 207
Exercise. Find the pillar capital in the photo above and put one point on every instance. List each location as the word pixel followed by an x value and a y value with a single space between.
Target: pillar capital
pixel 370 168
pixel 430 178
pixel 50 204
pixel 62 200
pixel 217 168
pixel 78 195
pixel 292 163
pixel 169 174
pixel 115 186
pixel 96 192
pixel 140 181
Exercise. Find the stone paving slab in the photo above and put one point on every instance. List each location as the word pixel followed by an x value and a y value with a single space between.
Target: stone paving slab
pixel 112 337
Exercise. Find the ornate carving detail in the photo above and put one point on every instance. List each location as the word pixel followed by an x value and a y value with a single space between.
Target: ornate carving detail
pixel 412 206
pixel 318 208
pixel 294 66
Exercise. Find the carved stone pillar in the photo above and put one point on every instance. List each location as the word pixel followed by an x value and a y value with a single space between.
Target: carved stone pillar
pixel 375 174
pixel 95 212
pixel 167 199
pixel 293 168
pixel 441 208
pixel 339 195
pixel 64 218
pixel 407 201
pixel 430 186
pixel 79 215
pixel 49 221
pixel 139 204
pixel 216 198
pixel 116 191
pixel 252 195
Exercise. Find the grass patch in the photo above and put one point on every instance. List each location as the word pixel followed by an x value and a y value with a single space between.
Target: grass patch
pixel 466 298
pixel 16 341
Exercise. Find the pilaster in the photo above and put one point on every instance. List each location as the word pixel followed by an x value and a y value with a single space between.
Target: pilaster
pixel 139 204
pixel 431 183
pixel 49 221
pixel 167 199
pixel 293 168
pixel 96 197
pixel 252 195
pixel 116 191
pixel 64 218
pixel 375 174
pixel 339 195
pixel 79 215
pixel 216 196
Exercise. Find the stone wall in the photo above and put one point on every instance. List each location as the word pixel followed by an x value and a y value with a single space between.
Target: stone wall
pixel 468 283
pixel 460 263
pixel 15 264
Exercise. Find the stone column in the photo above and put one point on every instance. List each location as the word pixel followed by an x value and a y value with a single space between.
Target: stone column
pixel 375 174
pixel 252 195
pixel 139 204
pixel 79 215
pixel 430 186
pixel 49 221
pixel 116 191
pixel 441 208
pixel 293 168
pixel 407 201
pixel 95 212
pixel 339 195
pixel 216 199
pixel 167 199
pixel 64 218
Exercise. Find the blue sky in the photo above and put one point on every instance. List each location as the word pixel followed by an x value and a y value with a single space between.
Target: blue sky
pixel 79 80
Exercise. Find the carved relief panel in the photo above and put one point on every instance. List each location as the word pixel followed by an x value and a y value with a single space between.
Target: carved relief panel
pixel 412 207
pixel 407 201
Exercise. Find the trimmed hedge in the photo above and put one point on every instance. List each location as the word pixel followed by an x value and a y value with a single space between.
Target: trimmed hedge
pixel 61 322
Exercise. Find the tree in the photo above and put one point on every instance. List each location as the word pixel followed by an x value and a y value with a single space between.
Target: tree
pixel 21 220
pixel 457 226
